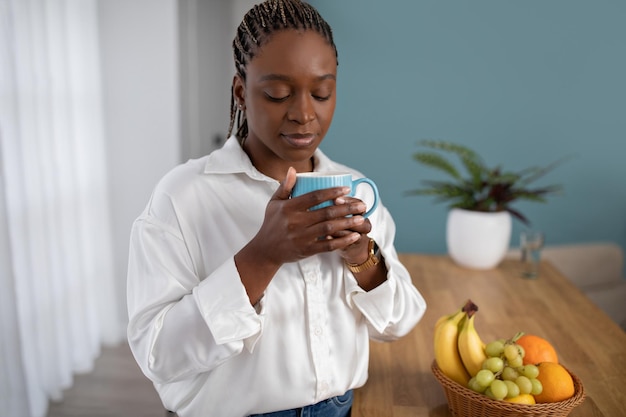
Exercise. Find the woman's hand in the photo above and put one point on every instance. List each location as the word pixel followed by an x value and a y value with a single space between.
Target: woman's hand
pixel 291 232
pixel 356 253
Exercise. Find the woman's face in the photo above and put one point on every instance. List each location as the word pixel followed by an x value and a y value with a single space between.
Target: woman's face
pixel 289 97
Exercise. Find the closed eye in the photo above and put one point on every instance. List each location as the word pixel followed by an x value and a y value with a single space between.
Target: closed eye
pixel 276 99
pixel 322 98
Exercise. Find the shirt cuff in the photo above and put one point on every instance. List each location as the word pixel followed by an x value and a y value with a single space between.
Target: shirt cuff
pixel 225 307
pixel 376 305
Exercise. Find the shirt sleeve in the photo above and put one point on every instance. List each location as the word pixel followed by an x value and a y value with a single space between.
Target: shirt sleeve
pixel 393 308
pixel 180 325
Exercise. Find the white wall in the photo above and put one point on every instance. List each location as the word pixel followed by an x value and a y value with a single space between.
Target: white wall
pixel 139 40
pixel 207 29
pixel 205 74
pixel 167 68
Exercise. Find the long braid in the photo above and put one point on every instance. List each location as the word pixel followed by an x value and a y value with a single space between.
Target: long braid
pixel 255 30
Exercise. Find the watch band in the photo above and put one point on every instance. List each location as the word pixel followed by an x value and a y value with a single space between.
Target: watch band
pixel 372 259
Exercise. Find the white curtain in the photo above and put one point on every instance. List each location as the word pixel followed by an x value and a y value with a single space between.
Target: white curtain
pixel 57 305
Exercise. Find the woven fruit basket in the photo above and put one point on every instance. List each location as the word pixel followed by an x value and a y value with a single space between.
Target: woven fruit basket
pixel 463 402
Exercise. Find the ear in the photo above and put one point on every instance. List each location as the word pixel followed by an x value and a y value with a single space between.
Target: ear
pixel 239 90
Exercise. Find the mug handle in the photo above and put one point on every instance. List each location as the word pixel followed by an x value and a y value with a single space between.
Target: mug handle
pixel 374 188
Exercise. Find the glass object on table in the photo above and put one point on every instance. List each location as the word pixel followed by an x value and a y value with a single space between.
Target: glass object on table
pixel 531 243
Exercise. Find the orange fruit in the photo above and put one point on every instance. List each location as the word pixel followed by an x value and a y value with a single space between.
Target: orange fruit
pixel 558 384
pixel 522 399
pixel 537 350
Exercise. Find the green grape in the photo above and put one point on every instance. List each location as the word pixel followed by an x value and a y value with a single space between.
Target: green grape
pixel 522 351
pixel 524 384
pixel 489 394
pixel 485 377
pixel 537 387
pixel 475 386
pixel 529 371
pixel 498 389
pixel 511 352
pixel 516 362
pixel 513 389
pixel 494 364
pixel 494 349
pixel 509 374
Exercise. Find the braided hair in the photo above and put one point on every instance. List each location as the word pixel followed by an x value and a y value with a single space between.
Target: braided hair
pixel 255 31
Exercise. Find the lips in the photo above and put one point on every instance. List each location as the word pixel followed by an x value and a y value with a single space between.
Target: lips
pixel 299 140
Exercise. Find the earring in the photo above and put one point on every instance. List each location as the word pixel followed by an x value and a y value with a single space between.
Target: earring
pixel 240 106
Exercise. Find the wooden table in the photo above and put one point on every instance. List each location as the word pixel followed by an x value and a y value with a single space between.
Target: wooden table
pixel 592 346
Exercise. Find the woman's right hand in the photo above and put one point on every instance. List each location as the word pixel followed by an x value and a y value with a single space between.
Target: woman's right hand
pixel 291 232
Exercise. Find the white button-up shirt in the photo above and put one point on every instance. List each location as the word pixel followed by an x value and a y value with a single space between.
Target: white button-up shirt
pixel 192 329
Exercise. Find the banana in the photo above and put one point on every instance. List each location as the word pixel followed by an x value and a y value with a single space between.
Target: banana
pixel 471 347
pixel 445 317
pixel 446 348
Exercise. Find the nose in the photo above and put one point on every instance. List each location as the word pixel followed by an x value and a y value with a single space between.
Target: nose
pixel 302 110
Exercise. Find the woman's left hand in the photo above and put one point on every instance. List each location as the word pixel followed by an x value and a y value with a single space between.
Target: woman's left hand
pixel 357 252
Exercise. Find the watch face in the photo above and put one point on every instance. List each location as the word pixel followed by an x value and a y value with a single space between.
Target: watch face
pixel 374 249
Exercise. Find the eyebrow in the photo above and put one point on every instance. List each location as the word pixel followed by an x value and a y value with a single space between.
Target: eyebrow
pixel 279 77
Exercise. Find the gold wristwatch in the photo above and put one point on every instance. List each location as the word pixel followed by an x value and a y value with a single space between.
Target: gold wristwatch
pixel 372 259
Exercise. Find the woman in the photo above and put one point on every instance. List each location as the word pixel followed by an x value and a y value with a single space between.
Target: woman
pixel 237 306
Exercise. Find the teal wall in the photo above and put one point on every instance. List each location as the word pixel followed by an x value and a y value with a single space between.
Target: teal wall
pixel 523 83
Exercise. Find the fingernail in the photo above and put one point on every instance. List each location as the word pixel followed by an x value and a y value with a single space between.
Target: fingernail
pixel 346 190
pixel 340 200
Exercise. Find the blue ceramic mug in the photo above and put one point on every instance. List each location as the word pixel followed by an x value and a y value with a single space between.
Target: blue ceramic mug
pixel 312 181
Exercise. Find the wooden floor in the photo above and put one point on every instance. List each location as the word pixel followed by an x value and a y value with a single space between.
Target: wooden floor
pixel 116 388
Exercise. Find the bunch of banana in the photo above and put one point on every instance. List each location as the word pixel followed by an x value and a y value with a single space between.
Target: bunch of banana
pixel 459 350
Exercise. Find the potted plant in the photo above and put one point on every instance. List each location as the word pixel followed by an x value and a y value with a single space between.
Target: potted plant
pixel 478 229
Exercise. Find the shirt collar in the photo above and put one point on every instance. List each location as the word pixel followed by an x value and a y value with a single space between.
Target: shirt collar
pixel 232 159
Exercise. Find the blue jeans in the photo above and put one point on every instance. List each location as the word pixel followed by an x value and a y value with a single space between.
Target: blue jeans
pixel 339 406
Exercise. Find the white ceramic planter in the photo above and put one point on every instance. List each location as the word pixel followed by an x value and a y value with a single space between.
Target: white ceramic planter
pixel 478 240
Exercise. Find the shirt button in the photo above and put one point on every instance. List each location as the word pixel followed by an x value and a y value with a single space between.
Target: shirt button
pixel 318 331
